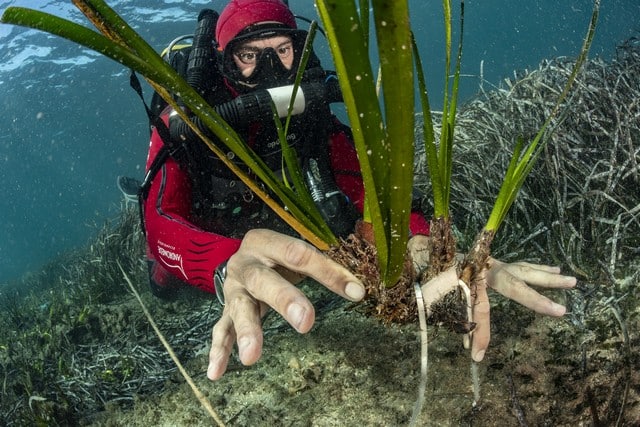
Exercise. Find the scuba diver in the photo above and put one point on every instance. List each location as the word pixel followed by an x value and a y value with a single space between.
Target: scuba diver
pixel 206 229
pixel 196 211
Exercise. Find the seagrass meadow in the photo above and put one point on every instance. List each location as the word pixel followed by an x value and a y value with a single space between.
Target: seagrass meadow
pixel 75 348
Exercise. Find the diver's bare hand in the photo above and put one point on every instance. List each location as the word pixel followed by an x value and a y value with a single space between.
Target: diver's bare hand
pixel 262 274
pixel 512 281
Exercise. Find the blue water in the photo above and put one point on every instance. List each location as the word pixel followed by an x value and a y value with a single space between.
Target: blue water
pixel 69 123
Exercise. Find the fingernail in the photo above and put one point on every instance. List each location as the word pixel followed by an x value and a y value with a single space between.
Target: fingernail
pixel 559 309
pixel 212 371
pixel 355 291
pixel 214 367
pixel 296 314
pixel 478 356
pixel 243 345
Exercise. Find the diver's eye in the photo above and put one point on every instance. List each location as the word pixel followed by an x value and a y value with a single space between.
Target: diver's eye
pixel 247 57
pixel 284 51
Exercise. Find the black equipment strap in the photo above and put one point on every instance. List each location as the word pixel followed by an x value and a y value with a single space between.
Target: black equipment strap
pixel 167 149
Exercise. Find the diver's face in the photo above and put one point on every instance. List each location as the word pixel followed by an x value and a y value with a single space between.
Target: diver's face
pixel 246 55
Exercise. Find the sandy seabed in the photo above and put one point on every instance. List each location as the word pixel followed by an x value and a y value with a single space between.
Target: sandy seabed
pixel 351 370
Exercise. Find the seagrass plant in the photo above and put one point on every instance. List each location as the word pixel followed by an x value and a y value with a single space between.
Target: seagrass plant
pixel 522 161
pixel 384 138
pixel 383 135
pixel 440 155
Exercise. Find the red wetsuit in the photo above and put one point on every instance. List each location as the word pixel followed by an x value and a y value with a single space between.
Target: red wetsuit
pixel 190 252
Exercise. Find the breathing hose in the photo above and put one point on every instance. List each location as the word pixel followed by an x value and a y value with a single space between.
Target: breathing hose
pixel 257 106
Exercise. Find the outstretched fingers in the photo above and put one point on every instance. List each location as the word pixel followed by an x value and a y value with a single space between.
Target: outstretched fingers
pixel 265 284
pixel 543 276
pixel 300 257
pixel 262 274
pixel 512 280
pixel 521 293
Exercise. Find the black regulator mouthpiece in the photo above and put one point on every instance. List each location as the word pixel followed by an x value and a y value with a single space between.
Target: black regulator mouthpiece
pixel 336 209
pixel 202 59
pixel 258 105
